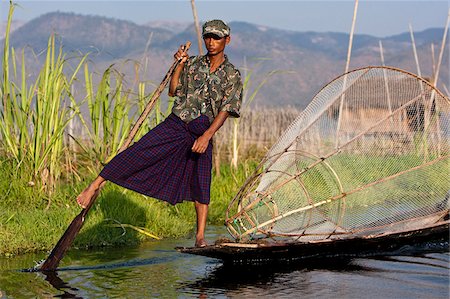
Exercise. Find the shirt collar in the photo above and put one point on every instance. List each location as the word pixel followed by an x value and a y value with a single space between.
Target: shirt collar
pixel 208 62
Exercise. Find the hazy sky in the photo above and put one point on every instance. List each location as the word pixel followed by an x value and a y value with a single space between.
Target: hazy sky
pixel 379 18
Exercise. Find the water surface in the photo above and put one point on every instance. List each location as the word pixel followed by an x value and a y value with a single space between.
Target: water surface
pixel 155 269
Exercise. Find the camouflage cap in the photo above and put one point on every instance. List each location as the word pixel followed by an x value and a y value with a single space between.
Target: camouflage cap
pixel 216 27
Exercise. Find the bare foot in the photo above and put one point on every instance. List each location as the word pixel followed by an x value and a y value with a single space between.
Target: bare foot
pixel 88 194
pixel 201 243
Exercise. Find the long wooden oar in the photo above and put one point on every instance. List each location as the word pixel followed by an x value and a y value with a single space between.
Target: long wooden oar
pixel 52 262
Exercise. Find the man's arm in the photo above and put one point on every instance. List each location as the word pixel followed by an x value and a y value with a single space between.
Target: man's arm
pixel 201 144
pixel 182 57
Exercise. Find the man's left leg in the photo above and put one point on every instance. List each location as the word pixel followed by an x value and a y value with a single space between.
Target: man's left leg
pixel 202 213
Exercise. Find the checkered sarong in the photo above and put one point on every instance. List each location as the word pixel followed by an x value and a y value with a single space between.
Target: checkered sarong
pixel 162 165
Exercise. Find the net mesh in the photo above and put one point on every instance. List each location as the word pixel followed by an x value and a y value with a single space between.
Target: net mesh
pixel 370 154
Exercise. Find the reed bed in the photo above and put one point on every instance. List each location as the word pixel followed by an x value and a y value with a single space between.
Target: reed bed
pixel 257 130
pixel 34 116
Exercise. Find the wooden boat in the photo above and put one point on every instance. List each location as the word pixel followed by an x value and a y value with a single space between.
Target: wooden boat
pixel 268 252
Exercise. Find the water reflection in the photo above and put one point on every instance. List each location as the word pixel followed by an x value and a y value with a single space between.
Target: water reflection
pixel 61 285
pixel 261 280
pixel 205 278
pixel 424 276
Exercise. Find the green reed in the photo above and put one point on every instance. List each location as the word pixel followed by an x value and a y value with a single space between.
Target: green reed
pixel 34 115
pixel 109 115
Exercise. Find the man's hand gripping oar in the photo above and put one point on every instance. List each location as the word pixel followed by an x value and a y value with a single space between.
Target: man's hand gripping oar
pixel 52 261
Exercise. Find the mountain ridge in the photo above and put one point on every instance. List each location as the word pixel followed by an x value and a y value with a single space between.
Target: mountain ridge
pixel 305 60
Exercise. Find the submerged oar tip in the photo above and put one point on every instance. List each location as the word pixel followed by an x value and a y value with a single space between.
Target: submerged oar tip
pixel 36 268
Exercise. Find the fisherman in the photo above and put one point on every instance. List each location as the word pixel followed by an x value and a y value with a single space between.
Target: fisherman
pixel 173 161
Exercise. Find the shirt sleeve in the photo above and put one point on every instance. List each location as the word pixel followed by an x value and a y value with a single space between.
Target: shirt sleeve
pixel 180 90
pixel 233 96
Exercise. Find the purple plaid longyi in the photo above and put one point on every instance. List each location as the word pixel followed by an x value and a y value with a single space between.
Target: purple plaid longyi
pixel 162 165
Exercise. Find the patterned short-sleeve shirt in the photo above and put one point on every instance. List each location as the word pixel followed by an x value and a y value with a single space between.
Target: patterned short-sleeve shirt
pixel 201 92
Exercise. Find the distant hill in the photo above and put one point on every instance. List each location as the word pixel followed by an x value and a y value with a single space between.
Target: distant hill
pixel 111 37
pixel 173 26
pixel 306 61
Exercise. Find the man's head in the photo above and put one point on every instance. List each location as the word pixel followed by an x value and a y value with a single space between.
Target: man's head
pixel 216 35
pixel 216 27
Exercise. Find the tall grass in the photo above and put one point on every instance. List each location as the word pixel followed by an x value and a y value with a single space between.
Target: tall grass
pixel 109 119
pixel 111 113
pixel 34 116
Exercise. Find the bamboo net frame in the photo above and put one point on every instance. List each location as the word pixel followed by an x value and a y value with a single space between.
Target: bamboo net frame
pixel 370 154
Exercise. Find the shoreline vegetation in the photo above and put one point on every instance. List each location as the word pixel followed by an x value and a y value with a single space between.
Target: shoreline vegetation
pixel 119 217
pixel 59 127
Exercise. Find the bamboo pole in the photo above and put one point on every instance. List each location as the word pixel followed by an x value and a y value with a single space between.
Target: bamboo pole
pixel 350 44
pixel 436 77
pixel 151 103
pixel 347 64
pixel 197 28
pixel 416 58
pixel 236 122
pixel 433 59
pixel 419 72
pixel 234 159
pixel 441 53
pixel 386 85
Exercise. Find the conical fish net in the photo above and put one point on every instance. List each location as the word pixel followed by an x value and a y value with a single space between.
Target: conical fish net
pixel 369 155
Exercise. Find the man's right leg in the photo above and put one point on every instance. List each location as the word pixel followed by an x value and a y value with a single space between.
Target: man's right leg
pixel 87 195
pixel 202 213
